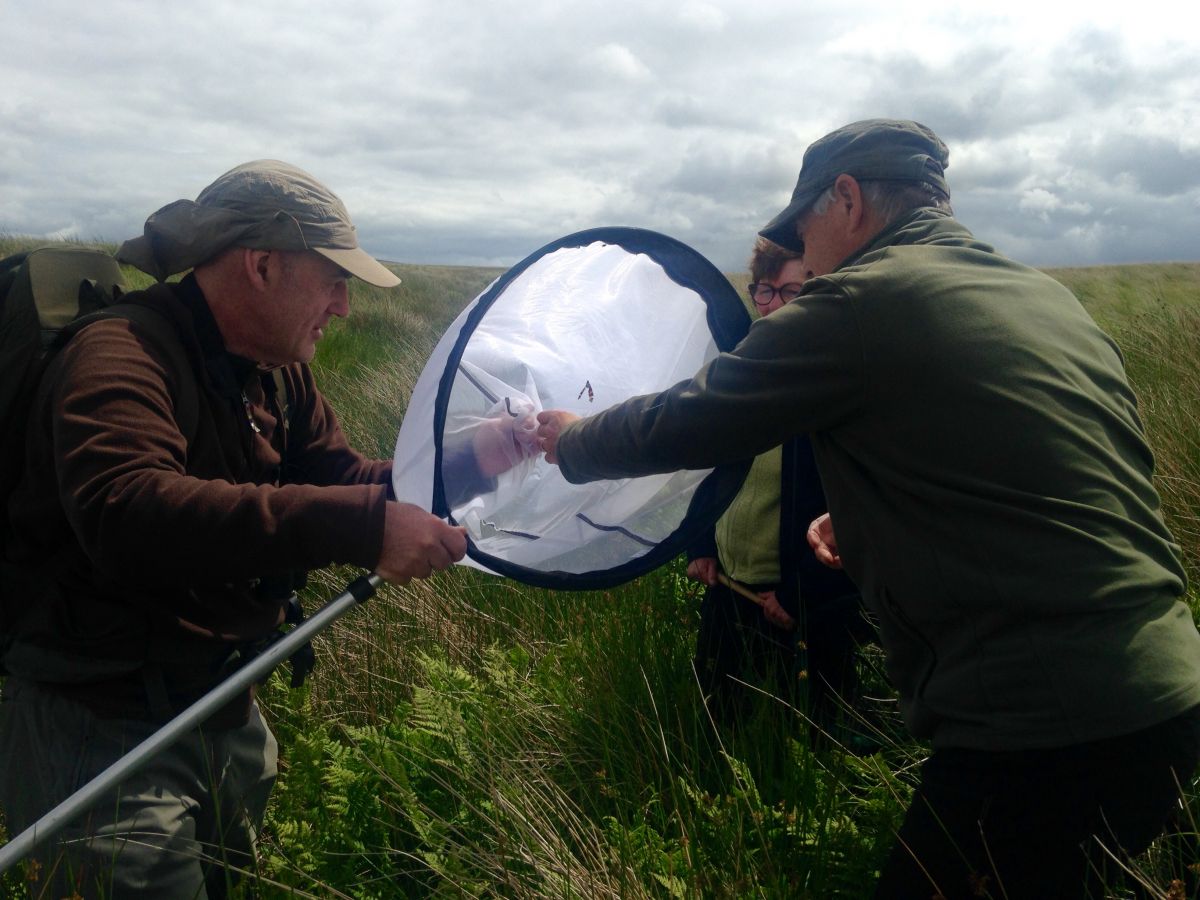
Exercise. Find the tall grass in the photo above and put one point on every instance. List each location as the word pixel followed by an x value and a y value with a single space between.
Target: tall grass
pixel 643 793
pixel 1153 313
pixel 634 792
pixel 469 736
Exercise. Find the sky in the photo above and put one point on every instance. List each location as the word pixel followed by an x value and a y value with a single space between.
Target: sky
pixel 473 133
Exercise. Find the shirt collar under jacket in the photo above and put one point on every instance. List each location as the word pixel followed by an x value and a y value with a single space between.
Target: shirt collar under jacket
pixel 229 372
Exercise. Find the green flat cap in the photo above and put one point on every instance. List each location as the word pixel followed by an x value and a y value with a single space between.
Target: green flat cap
pixel 873 149
pixel 265 205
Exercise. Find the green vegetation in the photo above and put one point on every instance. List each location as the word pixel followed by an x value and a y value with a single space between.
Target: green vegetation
pixel 469 736
pixel 1153 313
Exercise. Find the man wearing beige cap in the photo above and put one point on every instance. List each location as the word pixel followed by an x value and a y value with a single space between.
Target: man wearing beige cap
pixel 991 487
pixel 183 473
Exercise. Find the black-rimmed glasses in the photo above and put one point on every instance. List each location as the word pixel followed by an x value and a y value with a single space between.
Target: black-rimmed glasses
pixel 762 293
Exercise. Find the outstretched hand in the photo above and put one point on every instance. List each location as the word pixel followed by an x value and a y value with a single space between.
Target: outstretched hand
pixel 502 440
pixel 551 423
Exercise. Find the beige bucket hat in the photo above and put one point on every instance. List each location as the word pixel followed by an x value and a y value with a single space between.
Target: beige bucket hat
pixel 265 205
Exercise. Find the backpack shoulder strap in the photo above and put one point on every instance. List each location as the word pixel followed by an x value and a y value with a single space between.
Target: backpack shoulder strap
pixel 278 388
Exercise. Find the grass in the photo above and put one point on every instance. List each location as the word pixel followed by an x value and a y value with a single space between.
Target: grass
pixel 634 789
pixel 468 736
pixel 1115 293
pixel 1153 313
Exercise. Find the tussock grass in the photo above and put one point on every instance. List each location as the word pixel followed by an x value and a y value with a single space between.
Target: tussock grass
pixel 467 736
pixel 1153 313
pixel 599 717
pixel 1114 293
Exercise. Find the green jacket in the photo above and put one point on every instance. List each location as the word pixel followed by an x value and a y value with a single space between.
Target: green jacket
pixel 747 534
pixel 987 476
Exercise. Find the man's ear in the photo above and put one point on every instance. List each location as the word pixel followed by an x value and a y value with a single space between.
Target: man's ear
pixel 847 193
pixel 257 267
pixel 848 198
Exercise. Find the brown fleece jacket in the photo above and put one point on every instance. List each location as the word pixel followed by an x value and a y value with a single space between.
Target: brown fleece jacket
pixel 146 543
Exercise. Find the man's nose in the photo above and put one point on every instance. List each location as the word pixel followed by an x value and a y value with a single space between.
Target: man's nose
pixel 341 301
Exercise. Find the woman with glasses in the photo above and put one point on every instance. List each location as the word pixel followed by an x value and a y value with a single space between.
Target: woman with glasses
pixel 758 549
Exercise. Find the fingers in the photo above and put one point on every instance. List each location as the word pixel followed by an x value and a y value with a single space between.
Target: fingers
pixel 823 541
pixel 814 531
pixel 551 423
pixel 774 613
pixel 450 547
pixel 495 446
pixel 416 544
pixel 454 542
pixel 547 434
pixel 458 541
pixel 703 569
pixel 525 434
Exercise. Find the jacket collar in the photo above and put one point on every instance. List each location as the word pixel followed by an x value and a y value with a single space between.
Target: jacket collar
pixel 921 226
pixel 230 373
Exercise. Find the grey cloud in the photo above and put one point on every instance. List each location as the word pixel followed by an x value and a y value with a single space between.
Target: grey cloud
pixel 1096 64
pixel 981 94
pixel 1122 232
pixel 476 133
pixel 1159 165
pixel 1000 165
pixel 726 173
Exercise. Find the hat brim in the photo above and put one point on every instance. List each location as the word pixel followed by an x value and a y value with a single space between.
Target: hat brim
pixel 781 230
pixel 361 265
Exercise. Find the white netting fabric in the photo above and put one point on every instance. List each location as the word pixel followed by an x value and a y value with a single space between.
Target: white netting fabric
pixel 581 328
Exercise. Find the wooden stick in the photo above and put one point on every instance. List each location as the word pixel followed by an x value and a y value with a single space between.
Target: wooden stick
pixel 738 588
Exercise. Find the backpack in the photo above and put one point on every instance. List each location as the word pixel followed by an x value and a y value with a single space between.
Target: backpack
pixel 46 296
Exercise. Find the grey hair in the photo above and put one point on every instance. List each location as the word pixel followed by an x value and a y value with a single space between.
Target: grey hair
pixel 821 204
pixel 891 199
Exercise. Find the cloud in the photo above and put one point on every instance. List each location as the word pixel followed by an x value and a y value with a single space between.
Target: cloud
pixel 475 133
pixel 705 17
pixel 616 61
pixel 1162 166
pixel 1041 202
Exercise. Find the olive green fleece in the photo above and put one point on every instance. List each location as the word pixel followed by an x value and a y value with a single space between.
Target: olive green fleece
pixel 987 476
pixel 748 531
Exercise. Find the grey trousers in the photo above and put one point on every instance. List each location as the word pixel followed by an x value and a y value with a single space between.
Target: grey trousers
pixel 179 828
